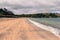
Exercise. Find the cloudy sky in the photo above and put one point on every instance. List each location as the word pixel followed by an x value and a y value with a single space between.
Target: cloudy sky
pixel 31 6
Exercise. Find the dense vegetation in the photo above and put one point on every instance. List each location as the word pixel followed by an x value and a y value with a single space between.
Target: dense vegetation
pixel 43 15
pixel 5 13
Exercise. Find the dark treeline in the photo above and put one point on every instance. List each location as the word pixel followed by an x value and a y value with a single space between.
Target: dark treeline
pixel 5 13
pixel 42 15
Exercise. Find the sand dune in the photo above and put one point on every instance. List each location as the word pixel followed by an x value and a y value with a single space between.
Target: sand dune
pixel 22 29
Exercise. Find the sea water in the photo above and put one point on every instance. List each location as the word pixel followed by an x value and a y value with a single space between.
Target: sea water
pixel 49 24
pixel 54 22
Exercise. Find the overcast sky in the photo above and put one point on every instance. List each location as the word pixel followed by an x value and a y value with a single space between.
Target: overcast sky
pixel 31 6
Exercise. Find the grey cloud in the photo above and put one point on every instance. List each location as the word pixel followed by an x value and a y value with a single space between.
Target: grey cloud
pixel 34 7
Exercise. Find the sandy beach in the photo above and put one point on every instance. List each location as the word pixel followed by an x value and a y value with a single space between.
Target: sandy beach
pixel 22 29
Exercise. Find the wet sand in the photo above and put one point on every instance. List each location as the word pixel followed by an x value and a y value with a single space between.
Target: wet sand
pixel 22 29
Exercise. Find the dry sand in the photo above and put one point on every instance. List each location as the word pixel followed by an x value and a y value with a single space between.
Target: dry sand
pixel 22 29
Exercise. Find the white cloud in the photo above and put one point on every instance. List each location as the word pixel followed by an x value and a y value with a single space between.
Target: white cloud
pixel 31 6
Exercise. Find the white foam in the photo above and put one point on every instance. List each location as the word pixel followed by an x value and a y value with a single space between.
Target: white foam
pixel 48 28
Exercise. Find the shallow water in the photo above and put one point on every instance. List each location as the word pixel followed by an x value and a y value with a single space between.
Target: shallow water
pixel 54 22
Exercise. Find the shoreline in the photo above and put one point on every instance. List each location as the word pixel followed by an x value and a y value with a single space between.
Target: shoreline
pixel 55 31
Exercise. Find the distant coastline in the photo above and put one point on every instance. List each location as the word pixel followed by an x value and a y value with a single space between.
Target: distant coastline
pixel 6 13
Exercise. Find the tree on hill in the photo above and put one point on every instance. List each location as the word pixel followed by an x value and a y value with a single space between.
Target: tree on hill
pixel 5 12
